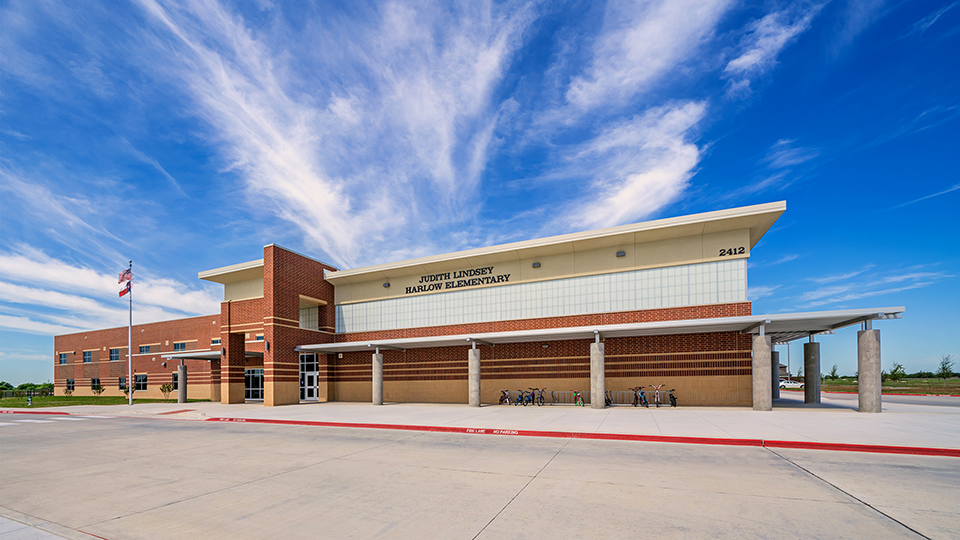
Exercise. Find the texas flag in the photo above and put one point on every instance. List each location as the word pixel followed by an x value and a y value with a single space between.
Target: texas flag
pixel 127 289
pixel 126 275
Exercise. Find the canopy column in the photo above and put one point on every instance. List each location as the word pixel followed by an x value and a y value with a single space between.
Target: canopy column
pixel 473 375
pixel 868 369
pixel 598 381
pixel 811 372
pixel 377 378
pixel 762 395
pixel 775 374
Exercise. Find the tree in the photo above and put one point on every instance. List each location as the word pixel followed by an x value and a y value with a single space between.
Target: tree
pixel 945 369
pixel 97 389
pixel 4 385
pixel 165 389
pixel 800 372
pixel 833 373
pixel 68 393
pixel 897 372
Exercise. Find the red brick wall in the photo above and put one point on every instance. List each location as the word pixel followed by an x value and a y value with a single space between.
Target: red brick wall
pixel 197 331
pixel 680 355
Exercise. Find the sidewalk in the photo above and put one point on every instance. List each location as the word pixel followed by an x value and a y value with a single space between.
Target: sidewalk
pixel 835 422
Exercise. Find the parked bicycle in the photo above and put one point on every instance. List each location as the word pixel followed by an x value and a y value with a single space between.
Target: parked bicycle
pixel 504 397
pixel 639 398
pixel 673 400
pixel 656 394
pixel 606 399
pixel 521 398
pixel 539 395
pixel 577 398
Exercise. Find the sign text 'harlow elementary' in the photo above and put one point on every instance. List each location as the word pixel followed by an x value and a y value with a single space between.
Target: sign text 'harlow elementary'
pixel 451 280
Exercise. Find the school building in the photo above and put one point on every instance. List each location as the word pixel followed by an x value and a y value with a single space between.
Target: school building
pixel 655 303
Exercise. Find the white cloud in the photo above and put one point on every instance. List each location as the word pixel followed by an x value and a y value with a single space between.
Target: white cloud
pixel 755 293
pixel 43 295
pixel 763 42
pixel 921 26
pixel 642 41
pixel 393 134
pixel 635 167
pixel 784 154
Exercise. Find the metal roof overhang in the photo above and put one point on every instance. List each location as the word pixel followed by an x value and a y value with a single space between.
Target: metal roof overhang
pixel 204 354
pixel 783 327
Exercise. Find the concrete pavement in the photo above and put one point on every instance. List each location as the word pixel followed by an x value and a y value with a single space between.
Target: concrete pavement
pixel 933 424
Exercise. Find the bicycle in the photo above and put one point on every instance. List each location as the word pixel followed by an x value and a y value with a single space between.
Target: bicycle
pixel 639 398
pixel 577 398
pixel 522 398
pixel 673 400
pixel 504 397
pixel 606 399
pixel 656 394
pixel 539 395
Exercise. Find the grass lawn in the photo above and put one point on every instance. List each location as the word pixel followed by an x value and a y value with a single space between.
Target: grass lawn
pixel 903 386
pixel 64 401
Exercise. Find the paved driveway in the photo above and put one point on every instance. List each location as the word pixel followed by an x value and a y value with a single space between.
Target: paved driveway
pixel 121 478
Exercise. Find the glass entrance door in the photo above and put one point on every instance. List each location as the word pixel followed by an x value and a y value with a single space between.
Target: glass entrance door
pixel 253 384
pixel 309 376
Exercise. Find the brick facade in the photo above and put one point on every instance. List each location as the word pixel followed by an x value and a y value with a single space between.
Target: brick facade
pixel 707 368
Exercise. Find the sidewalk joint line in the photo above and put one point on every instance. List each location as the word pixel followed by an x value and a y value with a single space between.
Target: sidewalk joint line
pixel 532 478
pixel 848 494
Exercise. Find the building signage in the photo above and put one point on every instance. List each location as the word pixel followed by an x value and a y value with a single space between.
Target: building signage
pixel 455 280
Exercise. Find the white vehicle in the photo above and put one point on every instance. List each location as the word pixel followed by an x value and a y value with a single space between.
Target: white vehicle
pixel 791 384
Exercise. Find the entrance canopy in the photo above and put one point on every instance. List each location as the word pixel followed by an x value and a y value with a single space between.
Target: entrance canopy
pixel 781 328
pixel 204 354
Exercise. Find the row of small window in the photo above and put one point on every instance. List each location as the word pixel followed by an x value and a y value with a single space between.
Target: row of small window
pixel 139 383
pixel 115 353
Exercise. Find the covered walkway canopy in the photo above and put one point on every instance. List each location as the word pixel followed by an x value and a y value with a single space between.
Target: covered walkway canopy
pixel 765 329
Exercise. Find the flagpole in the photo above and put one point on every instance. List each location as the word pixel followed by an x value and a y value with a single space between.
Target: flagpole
pixel 130 384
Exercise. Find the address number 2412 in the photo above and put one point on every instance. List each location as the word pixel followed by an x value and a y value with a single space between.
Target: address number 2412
pixel 732 251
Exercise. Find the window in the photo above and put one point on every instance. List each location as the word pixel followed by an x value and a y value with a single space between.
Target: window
pixel 122 383
pixel 260 337
pixel 175 380
pixel 70 384
pixel 139 383
pixel 63 358
pixel 180 346
pixel 144 349
pixel 114 355
pixel 310 318
pixel 214 341
pixel 94 383
pixel 87 357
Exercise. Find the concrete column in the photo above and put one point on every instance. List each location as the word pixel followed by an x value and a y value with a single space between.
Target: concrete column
pixel 377 379
pixel 775 374
pixel 811 372
pixel 232 379
pixel 868 365
pixel 473 376
pixel 181 383
pixel 762 397
pixel 598 381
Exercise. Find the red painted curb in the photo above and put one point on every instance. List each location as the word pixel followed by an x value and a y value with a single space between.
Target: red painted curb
pixel 35 412
pixel 836 447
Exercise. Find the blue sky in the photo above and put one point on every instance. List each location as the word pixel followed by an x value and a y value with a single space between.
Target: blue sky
pixel 187 135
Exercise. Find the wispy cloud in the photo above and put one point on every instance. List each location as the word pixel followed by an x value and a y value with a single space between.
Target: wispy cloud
pixel 950 189
pixel 637 167
pixel 783 154
pixel 921 26
pixel 755 293
pixel 763 42
pixel 41 294
pixel 855 17
pixel 396 132
pixel 866 285
pixel 640 43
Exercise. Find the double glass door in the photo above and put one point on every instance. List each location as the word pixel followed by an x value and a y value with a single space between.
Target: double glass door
pixel 253 384
pixel 309 377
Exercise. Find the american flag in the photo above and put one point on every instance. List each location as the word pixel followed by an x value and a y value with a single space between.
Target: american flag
pixel 126 275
